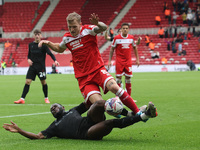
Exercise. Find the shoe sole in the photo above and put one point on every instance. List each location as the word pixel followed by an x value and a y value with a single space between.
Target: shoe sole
pixel 152 110
pixel 18 103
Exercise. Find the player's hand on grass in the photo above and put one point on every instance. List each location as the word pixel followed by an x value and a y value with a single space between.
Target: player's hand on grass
pixel 94 19
pixel 30 62
pixel 11 127
pixel 43 42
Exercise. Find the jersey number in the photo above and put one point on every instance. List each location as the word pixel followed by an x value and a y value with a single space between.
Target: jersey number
pixel 42 74
pixel 130 69
pixel 105 72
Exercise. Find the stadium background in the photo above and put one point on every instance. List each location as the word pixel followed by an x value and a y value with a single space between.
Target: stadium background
pixel 176 94
pixel 18 18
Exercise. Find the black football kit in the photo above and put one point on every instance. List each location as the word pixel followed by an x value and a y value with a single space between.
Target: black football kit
pixel 38 56
pixel 71 125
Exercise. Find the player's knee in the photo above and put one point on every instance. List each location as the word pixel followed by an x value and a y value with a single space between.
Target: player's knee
pixel 112 86
pixel 43 82
pixel 118 80
pixel 128 80
pixel 28 81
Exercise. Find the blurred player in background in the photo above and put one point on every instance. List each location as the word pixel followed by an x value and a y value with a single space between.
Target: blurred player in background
pixel 123 44
pixel 88 65
pixel 109 38
pixel 70 124
pixel 36 61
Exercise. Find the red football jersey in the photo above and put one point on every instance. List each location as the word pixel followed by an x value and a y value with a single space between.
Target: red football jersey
pixel 86 57
pixel 123 47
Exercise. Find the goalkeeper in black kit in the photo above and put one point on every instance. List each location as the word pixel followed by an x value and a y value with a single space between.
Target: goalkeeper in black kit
pixel 36 61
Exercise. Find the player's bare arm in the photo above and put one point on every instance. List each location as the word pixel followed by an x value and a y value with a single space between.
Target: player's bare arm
pixel 100 26
pixel 106 36
pixel 136 55
pixel 138 40
pixel 15 129
pixel 54 46
pixel 110 56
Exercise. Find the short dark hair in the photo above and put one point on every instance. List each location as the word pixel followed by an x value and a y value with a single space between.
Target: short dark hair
pixel 124 24
pixel 36 31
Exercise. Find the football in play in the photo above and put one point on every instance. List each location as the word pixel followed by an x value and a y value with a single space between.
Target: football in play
pixel 113 106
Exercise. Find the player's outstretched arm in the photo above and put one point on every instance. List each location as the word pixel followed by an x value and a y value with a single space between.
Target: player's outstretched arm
pixel 15 129
pixel 110 56
pixel 138 40
pixel 54 46
pixel 94 19
pixel 106 36
pixel 136 55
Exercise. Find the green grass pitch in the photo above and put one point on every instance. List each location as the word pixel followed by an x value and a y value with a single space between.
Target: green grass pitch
pixel 175 94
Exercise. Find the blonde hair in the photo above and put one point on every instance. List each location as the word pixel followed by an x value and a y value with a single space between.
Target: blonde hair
pixel 73 16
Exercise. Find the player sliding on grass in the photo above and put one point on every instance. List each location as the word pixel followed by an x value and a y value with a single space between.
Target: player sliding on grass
pixel 88 65
pixel 36 61
pixel 71 124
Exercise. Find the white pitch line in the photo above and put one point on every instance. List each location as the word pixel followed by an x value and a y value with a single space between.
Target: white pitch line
pixel 24 115
pixel 35 104
pixel 30 105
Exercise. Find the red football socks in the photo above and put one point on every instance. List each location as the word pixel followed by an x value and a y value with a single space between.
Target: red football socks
pixel 127 100
pixel 128 88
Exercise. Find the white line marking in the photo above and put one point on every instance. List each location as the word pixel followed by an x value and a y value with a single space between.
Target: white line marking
pixel 24 115
pixel 30 105
pixel 36 104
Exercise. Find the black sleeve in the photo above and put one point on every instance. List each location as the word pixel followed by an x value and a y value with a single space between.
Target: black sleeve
pixel 50 131
pixel 50 53
pixel 82 108
pixel 29 52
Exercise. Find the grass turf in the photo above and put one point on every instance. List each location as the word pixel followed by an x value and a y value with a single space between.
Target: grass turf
pixel 176 95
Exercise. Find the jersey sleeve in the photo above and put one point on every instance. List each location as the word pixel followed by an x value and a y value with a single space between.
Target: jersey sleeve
pixel 90 29
pixel 29 53
pixel 50 131
pixel 62 44
pixel 50 53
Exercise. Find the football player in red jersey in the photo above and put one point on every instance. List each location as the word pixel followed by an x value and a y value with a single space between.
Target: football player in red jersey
pixel 123 44
pixel 88 65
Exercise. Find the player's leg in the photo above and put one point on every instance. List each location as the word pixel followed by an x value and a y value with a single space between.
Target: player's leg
pixel 25 92
pixel 101 129
pixel 128 84
pixel 41 73
pixel 107 83
pixel 30 76
pixel 96 111
pixel 119 74
pixel 128 74
pixel 119 80
pixel 45 90
pixel 126 99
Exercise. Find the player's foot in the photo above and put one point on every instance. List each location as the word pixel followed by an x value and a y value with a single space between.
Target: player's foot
pixel 151 111
pixel 46 100
pixel 143 108
pixel 20 101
